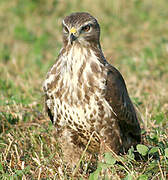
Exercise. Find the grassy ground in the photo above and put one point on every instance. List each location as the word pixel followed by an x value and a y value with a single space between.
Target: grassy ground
pixel 134 39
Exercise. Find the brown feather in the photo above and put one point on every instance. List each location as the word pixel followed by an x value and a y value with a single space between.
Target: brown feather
pixel 117 96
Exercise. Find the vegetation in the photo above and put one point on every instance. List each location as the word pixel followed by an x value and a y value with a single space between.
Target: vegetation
pixel 134 38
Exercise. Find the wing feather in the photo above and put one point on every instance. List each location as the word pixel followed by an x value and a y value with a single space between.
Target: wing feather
pixel 48 108
pixel 117 96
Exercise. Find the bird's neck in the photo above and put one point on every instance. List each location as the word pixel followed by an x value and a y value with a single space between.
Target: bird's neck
pixel 77 55
pixel 78 63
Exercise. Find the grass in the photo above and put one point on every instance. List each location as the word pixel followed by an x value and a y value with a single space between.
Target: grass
pixel 134 39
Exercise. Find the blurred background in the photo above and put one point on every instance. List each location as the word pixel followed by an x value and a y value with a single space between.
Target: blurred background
pixel 134 38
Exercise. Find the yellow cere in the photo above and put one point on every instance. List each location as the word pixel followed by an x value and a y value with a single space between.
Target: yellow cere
pixel 73 30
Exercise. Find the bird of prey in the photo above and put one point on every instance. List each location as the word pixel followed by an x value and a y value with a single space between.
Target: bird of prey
pixel 86 98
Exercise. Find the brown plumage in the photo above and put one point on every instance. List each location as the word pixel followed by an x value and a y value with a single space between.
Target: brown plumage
pixel 85 94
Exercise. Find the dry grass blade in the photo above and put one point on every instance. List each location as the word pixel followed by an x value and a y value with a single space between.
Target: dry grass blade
pixel 83 154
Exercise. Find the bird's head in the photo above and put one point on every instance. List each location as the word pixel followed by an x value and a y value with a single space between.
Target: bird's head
pixel 80 28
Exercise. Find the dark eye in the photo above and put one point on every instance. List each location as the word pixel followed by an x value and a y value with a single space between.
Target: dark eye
pixel 65 29
pixel 86 28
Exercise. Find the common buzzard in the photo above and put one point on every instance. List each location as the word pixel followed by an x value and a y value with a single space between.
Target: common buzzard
pixel 86 97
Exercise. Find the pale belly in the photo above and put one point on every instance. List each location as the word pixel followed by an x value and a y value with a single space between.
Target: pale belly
pixel 85 114
pixel 84 122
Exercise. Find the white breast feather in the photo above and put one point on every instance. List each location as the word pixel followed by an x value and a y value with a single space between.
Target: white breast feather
pixel 70 64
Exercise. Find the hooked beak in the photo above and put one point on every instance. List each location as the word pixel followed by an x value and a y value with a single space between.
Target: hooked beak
pixel 73 31
pixel 72 38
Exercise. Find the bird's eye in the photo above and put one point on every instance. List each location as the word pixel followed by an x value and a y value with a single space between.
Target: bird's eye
pixel 86 28
pixel 65 29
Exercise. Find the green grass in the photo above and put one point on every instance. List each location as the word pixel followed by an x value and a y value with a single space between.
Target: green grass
pixel 134 38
